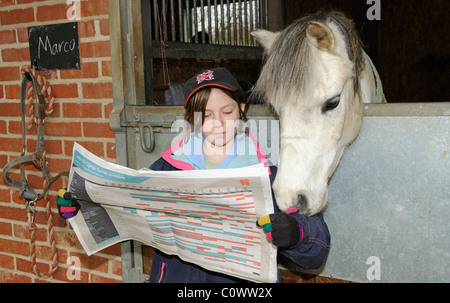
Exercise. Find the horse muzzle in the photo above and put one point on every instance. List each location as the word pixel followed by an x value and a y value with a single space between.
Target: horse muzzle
pixel 307 202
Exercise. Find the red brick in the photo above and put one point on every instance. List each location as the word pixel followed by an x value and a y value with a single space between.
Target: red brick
pixel 24 265
pixel 117 267
pixel 97 130
pixel 15 127
pixel 52 12
pixel 59 165
pixel 65 238
pixel 86 29
pixel 8 277
pixel 94 8
pixel 3 127
pixel 28 1
pixel 113 250
pixel 65 90
pixel 95 49
pixel 22 34
pixel 17 16
pixel 3 160
pixel 66 129
pixel 97 90
pixel 111 150
pixel 97 148
pixel 10 109
pixel 5 229
pixel 31 148
pixel 107 108
pixel 104 27
pixel 7 2
pixel 13 213
pixel 82 110
pixel 12 92
pixel 88 70
pixel 6 261
pixel 7 36
pixel 9 73
pixel 16 54
pixel 53 147
pixel 23 232
pixel 44 252
pixel 5 194
pixel 14 247
pixel 106 69
pixel 11 144
pixel 101 279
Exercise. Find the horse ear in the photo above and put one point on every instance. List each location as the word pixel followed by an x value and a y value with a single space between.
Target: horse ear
pixel 265 37
pixel 320 35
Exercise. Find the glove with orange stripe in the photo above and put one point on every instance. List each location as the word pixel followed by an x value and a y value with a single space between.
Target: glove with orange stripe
pixel 282 229
pixel 67 207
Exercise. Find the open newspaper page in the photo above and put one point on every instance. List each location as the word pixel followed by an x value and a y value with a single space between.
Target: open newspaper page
pixel 205 217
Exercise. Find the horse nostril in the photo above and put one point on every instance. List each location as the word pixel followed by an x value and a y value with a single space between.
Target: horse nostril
pixel 302 202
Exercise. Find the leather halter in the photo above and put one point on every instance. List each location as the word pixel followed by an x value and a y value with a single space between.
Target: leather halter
pixel 26 192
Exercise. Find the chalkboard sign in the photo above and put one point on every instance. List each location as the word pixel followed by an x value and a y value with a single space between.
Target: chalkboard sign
pixel 54 46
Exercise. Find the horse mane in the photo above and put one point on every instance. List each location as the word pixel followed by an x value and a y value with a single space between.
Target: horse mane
pixel 281 73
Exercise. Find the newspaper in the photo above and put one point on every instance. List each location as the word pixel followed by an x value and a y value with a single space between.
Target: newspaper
pixel 205 217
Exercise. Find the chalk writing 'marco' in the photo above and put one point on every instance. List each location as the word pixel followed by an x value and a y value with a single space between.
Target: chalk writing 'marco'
pixel 55 48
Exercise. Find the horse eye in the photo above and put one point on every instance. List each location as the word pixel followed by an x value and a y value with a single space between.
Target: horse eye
pixel 331 104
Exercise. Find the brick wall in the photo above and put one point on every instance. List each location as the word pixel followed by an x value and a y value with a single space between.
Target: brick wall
pixel 83 101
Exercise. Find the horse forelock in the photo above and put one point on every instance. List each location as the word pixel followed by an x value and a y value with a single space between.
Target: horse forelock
pixel 286 65
pixel 289 65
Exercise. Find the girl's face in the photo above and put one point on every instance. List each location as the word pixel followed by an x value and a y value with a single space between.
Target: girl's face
pixel 221 114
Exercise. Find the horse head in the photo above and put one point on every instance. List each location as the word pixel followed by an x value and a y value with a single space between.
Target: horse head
pixel 315 76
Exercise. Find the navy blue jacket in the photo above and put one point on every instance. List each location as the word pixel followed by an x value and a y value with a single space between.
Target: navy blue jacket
pixel 309 253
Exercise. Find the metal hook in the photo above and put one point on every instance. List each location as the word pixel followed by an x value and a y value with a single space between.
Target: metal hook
pixel 144 147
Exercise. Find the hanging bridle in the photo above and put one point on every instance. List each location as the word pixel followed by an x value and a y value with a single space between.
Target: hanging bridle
pixel 26 192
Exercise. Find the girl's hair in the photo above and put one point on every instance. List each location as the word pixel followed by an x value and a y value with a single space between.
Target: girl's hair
pixel 198 103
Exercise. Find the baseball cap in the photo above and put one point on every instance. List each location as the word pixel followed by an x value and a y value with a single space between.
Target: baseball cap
pixel 213 77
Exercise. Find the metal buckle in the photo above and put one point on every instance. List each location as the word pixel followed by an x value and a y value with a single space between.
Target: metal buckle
pixel 30 207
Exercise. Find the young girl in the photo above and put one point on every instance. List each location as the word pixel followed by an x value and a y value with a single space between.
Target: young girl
pixel 216 107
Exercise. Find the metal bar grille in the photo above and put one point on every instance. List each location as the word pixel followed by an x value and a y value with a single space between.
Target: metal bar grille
pixel 221 22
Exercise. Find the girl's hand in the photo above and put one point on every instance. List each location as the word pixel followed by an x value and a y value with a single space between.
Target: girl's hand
pixel 282 229
pixel 67 207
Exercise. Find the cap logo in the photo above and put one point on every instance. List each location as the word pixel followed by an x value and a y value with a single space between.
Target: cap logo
pixel 208 75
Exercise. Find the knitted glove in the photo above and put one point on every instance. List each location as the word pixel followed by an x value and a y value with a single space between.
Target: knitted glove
pixel 282 229
pixel 67 207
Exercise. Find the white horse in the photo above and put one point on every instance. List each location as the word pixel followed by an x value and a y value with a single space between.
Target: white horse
pixel 315 77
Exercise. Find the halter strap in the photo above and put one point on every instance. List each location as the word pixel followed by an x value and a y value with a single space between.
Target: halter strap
pixel 26 192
